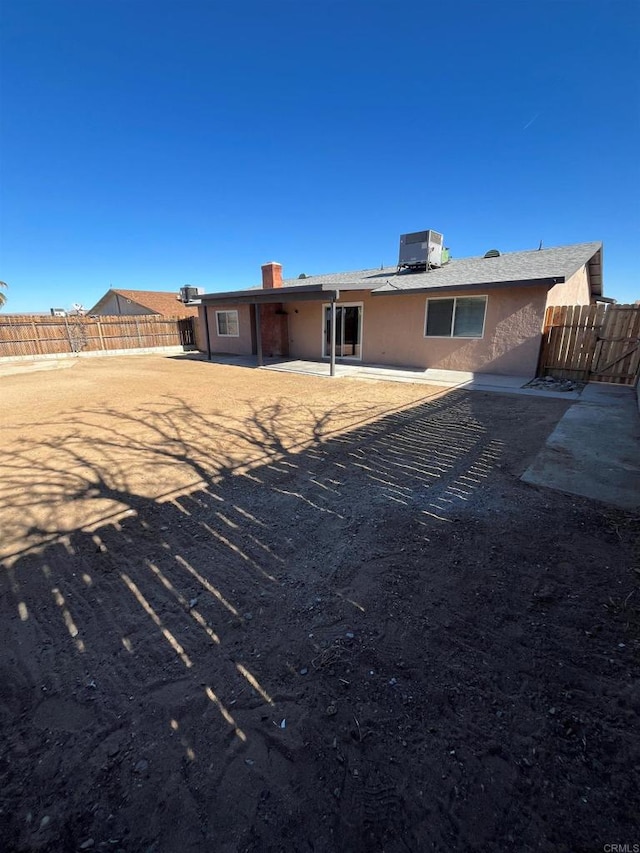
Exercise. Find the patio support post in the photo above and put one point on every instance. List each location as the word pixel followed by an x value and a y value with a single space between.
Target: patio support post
pixel 332 369
pixel 206 328
pixel 259 336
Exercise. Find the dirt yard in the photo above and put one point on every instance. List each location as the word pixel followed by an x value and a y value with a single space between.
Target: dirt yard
pixel 251 611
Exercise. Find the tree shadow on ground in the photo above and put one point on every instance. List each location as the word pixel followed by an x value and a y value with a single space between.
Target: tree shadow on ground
pixel 263 633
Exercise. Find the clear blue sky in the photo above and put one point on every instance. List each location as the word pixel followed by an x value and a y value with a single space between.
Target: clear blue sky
pixel 149 144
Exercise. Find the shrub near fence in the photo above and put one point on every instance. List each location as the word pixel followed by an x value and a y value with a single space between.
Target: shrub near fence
pixel 24 336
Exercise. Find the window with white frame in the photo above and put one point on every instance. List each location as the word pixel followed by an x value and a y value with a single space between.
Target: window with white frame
pixel 227 324
pixel 455 317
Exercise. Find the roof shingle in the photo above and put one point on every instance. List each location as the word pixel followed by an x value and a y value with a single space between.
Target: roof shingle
pixel 158 301
pixel 512 267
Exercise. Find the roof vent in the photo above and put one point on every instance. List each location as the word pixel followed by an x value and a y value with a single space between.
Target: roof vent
pixel 492 253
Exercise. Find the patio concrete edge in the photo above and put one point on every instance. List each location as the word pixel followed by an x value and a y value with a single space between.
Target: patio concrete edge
pixel 594 451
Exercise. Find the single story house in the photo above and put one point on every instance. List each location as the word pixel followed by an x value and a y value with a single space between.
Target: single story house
pixel 480 314
pixel 117 302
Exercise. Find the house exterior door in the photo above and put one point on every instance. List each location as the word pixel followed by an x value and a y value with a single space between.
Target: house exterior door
pixel 348 331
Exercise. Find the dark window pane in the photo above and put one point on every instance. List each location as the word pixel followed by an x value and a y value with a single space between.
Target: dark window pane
pixel 439 313
pixel 469 318
pixel 327 326
pixel 232 323
pixel 227 323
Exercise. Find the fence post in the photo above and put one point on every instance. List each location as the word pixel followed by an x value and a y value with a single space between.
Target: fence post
pixel 99 324
pixel 66 323
pixel 36 339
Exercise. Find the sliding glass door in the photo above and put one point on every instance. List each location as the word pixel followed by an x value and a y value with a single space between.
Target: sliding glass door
pixel 348 331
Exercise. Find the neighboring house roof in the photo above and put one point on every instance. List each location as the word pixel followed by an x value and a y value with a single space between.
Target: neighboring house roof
pixel 544 267
pixel 158 301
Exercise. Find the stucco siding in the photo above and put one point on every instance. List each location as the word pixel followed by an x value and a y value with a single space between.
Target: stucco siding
pixel 393 332
pixel 574 291
pixel 241 345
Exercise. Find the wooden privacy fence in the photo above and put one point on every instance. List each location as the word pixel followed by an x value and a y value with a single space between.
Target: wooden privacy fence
pixel 592 342
pixel 57 335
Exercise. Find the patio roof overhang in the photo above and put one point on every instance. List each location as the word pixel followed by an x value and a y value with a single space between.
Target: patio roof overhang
pixel 301 293
pixel 258 297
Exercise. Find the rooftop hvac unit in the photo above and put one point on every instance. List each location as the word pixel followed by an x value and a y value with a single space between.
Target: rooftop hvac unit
pixel 190 294
pixel 420 250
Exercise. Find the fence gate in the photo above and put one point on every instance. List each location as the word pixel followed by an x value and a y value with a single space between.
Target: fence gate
pixel 594 343
pixel 187 332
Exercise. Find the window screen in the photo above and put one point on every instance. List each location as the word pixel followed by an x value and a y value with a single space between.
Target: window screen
pixel 456 318
pixel 439 314
pixel 227 324
pixel 469 317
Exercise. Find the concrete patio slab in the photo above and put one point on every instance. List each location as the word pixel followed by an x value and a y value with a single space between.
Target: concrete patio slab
pixel 594 450
pixel 381 373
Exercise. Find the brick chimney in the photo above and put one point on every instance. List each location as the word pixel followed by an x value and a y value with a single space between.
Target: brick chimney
pixel 271 275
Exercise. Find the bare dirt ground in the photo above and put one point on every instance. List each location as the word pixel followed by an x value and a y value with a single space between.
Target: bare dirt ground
pixel 251 611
